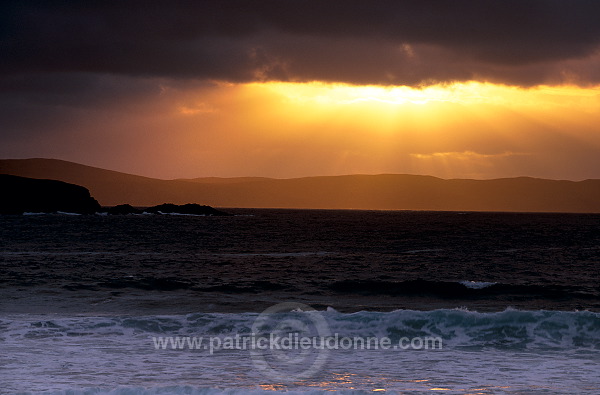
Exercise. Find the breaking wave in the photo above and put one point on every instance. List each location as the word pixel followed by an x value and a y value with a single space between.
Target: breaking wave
pixel 509 329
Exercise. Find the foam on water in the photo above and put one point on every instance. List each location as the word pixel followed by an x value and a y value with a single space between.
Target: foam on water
pixel 517 350
pixel 477 284
pixel 182 214
pixel 510 329
pixel 188 390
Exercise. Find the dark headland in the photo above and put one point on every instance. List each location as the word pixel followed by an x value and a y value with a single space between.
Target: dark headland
pixel 20 195
pixel 371 192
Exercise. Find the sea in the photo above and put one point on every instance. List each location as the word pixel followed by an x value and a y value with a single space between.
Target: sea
pixel 300 302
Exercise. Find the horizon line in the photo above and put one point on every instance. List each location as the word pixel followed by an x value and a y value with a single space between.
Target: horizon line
pixel 301 177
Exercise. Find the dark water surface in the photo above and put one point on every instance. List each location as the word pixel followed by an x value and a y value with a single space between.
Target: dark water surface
pixel 514 298
pixel 349 260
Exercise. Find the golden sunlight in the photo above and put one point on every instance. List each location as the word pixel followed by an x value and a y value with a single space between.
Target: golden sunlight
pixel 464 130
pixel 462 93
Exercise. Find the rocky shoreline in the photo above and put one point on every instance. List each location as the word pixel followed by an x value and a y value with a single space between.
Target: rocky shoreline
pixel 30 195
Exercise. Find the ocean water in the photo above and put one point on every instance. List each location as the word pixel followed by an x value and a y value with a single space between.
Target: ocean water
pixel 460 303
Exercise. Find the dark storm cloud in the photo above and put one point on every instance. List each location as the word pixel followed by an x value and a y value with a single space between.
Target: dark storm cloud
pixel 39 103
pixel 387 42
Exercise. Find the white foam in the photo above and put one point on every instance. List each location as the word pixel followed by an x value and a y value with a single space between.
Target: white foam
pixel 477 284
pixel 183 214
pixel 87 355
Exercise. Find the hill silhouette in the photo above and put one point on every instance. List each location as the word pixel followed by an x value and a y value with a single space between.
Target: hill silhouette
pixel 378 192
pixel 21 194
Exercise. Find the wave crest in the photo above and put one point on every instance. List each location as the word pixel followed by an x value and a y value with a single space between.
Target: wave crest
pixel 458 328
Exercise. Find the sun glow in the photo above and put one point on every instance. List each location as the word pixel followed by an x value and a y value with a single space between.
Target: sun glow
pixel 461 93
pixel 342 94
pixel 461 130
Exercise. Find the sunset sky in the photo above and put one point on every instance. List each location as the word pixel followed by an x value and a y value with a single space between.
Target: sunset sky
pixel 455 89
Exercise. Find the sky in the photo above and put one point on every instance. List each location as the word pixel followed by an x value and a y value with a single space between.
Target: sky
pixel 455 89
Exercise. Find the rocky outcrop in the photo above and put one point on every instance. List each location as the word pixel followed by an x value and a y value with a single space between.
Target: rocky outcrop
pixel 123 209
pixel 21 194
pixel 190 209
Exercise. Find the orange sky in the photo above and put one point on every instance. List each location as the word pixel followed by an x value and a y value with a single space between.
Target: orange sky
pixel 464 130
pixel 284 89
